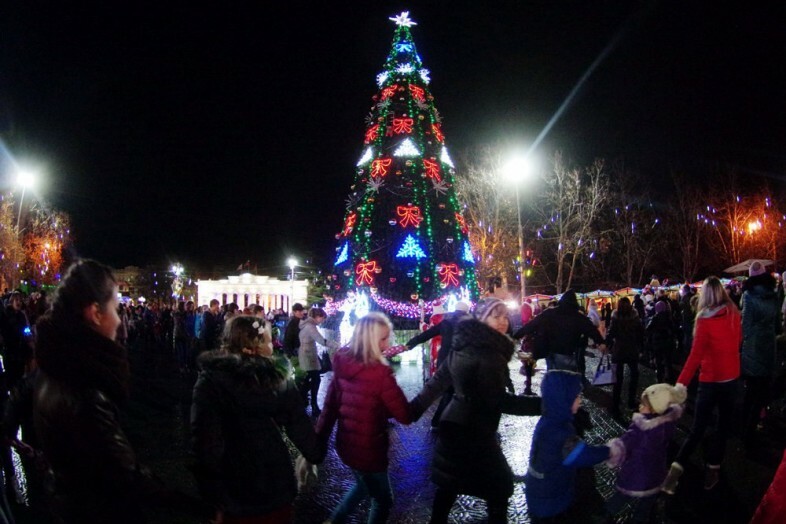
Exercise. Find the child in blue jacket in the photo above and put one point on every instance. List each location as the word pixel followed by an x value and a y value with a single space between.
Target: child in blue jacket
pixel 556 449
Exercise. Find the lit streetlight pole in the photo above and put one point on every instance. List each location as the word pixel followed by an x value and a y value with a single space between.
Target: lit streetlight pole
pixel 292 262
pixel 25 179
pixel 516 171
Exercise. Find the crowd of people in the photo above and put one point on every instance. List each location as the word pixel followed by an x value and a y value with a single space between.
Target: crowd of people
pixel 67 375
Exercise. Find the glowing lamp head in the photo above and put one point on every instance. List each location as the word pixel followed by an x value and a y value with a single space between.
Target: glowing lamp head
pixel 292 262
pixel 518 169
pixel 26 178
pixel 754 226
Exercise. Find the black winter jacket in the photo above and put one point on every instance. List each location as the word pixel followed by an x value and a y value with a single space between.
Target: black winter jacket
pixel 467 458
pixel 626 336
pixel 84 376
pixel 240 405
pixel 562 330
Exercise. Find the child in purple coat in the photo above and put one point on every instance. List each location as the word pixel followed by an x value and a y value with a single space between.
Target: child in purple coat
pixel 641 451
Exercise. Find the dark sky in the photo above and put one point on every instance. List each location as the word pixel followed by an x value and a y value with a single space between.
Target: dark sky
pixel 217 134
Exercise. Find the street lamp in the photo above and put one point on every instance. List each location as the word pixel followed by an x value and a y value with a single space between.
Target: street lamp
pixel 25 179
pixel 292 262
pixel 516 171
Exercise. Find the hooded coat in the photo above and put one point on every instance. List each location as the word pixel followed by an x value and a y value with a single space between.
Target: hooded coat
pixel 562 330
pixel 361 398
pixel 759 326
pixel 467 456
pixel 240 405
pixel 84 377
pixel 556 449
pixel 642 452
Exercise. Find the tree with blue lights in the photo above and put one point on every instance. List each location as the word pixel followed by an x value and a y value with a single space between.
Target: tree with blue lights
pixel 404 243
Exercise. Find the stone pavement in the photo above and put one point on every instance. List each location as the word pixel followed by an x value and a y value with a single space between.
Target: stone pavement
pixel 157 421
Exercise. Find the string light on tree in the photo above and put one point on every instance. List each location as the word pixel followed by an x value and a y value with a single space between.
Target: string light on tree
pixel 368 155
pixel 407 149
pixel 445 157
pixel 410 249
pixel 344 255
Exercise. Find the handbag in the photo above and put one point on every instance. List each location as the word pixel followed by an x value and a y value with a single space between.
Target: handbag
pixel 324 362
pixel 606 373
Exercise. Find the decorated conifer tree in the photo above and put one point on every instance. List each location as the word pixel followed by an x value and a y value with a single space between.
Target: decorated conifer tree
pixel 404 243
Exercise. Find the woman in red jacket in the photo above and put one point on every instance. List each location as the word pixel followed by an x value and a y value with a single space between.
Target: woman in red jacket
pixel 362 397
pixel 717 336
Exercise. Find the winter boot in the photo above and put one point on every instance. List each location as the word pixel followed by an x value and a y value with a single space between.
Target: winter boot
pixel 672 479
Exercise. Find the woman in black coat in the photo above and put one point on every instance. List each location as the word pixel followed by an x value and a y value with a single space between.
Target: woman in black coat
pixel 84 377
pixel 242 401
pixel 626 339
pixel 467 456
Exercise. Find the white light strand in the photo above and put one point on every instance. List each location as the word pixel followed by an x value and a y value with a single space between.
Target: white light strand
pixel 407 148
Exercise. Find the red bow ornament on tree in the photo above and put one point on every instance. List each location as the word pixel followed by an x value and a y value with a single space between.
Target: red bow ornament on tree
pixel 410 215
pixel 350 223
pixel 364 271
pixel 448 274
pixel 432 169
pixel 379 167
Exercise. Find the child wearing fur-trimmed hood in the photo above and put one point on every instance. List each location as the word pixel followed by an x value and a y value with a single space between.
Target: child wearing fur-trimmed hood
pixel 641 450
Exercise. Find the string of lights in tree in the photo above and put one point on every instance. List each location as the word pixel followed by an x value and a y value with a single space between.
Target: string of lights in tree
pixel 404 239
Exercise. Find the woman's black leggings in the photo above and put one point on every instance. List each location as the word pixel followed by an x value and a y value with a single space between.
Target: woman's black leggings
pixel 311 385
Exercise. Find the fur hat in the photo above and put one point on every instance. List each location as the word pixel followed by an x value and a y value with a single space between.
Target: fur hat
pixel 485 306
pixel 660 396
pixel 462 306
pixel 756 269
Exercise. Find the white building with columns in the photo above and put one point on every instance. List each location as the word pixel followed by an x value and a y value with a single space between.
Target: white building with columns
pixel 246 289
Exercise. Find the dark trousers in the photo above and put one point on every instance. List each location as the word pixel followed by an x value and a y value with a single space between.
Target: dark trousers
pixel 633 384
pixel 711 395
pixel 444 499
pixel 664 363
pixel 311 385
pixel 757 396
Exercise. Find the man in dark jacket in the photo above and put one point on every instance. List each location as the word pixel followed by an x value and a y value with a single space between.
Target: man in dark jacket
pixel 758 358
pixel 444 329
pixel 561 334
pixel 210 336
pixel 292 333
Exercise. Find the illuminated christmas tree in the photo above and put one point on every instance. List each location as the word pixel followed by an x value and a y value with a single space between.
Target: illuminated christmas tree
pixel 403 246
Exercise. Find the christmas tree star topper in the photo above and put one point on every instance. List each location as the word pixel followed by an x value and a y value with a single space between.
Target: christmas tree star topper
pixel 403 19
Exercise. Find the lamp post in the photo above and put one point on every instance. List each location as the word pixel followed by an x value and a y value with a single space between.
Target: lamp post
pixel 292 262
pixel 516 171
pixel 25 179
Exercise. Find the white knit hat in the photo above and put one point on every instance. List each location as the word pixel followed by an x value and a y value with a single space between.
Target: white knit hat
pixel 661 396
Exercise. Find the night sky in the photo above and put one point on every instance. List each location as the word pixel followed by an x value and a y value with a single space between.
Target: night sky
pixel 219 134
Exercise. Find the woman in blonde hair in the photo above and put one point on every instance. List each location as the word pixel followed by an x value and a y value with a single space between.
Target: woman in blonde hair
pixel 361 398
pixel 717 335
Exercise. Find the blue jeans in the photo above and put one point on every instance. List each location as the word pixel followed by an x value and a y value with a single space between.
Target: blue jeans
pixel 711 395
pixel 374 485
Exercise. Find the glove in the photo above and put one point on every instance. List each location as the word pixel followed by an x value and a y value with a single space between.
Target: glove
pixel 392 351
pixel 305 472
